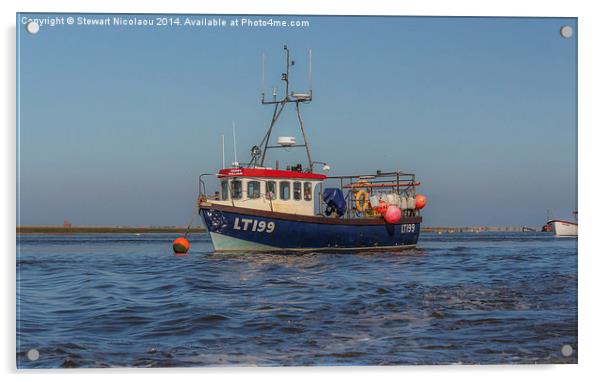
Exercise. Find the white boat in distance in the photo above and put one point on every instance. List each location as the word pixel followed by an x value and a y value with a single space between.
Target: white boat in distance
pixel 563 227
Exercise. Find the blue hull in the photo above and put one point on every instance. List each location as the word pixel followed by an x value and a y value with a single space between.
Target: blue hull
pixel 238 229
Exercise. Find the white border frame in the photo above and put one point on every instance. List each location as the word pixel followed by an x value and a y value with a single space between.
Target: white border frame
pixel 589 30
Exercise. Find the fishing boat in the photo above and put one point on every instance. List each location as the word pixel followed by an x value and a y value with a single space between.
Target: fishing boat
pixel 564 228
pixel 301 209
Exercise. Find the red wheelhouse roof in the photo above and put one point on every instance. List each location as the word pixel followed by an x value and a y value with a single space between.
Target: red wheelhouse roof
pixel 268 173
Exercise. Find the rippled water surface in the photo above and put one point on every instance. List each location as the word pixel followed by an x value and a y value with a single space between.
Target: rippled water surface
pixel 126 300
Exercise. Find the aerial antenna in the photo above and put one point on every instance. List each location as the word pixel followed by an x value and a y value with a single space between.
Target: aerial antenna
pixel 310 79
pixel 279 105
pixel 234 137
pixel 223 152
pixel 262 76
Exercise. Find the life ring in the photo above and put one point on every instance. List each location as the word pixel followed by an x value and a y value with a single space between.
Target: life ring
pixel 360 183
pixel 362 200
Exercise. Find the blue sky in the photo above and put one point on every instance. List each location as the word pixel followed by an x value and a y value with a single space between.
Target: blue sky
pixel 116 123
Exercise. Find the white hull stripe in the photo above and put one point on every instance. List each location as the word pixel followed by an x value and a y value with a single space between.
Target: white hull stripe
pixel 229 243
pixel 223 243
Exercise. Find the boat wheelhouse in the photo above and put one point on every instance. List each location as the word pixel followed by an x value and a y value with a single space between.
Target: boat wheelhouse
pixel 259 208
pixel 266 189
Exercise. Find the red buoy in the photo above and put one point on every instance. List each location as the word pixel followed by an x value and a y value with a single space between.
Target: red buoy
pixel 181 245
pixel 420 201
pixel 392 215
pixel 381 208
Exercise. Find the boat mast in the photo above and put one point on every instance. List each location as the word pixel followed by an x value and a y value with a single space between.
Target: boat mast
pixel 279 104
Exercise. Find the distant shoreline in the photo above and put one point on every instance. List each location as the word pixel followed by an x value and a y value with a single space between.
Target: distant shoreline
pixel 24 230
pixel 72 230
pixel 476 229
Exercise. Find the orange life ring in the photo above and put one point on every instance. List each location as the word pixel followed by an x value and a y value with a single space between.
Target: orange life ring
pixel 359 184
pixel 362 200
pixel 361 196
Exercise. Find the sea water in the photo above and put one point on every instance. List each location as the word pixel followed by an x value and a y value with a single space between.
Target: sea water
pixel 121 300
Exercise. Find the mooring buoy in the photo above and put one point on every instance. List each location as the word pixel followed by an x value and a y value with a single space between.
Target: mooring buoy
pixel 181 245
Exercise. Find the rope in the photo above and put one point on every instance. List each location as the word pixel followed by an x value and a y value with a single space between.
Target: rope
pixel 194 213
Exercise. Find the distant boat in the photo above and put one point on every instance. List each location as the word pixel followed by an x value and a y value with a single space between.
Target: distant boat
pixel 563 228
pixel 529 229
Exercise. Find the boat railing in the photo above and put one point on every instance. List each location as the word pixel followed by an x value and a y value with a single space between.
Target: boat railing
pixel 400 183
pixel 202 187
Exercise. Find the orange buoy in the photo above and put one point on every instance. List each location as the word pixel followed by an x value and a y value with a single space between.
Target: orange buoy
pixel 420 201
pixel 181 245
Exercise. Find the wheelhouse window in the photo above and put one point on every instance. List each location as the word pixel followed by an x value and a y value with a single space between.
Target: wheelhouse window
pixel 253 191
pixel 307 191
pixel 297 190
pixel 270 190
pixel 236 189
pixel 285 190
pixel 224 190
